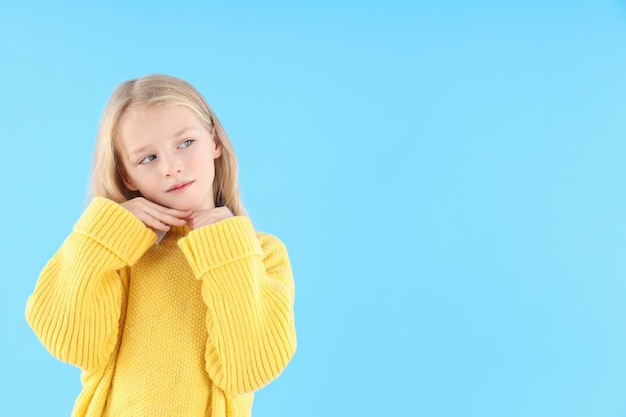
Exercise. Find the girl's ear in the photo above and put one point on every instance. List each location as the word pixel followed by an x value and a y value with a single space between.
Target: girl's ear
pixel 127 182
pixel 217 151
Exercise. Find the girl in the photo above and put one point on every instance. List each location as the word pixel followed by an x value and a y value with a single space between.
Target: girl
pixel 163 294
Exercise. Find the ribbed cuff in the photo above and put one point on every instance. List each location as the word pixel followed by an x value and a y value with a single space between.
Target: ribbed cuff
pixel 220 243
pixel 115 228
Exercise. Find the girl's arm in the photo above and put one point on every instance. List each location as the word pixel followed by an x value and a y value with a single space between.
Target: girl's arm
pixel 76 305
pixel 248 289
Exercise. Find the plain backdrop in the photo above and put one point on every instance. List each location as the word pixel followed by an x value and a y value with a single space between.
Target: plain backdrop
pixel 447 175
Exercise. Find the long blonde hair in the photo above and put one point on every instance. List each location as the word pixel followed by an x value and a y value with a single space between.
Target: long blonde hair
pixel 156 90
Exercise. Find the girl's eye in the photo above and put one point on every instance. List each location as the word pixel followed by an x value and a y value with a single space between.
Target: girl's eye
pixel 186 143
pixel 148 159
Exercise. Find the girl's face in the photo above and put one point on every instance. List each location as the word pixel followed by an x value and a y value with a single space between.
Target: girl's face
pixel 168 156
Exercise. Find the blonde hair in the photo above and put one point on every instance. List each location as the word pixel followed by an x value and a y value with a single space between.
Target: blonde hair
pixel 157 90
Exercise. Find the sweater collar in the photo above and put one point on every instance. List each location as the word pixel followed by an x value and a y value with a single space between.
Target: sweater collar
pixel 175 233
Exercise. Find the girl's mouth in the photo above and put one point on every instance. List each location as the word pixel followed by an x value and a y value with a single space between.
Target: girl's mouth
pixel 181 186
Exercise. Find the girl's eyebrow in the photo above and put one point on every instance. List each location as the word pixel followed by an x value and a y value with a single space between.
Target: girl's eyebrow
pixel 183 130
pixel 175 135
pixel 137 151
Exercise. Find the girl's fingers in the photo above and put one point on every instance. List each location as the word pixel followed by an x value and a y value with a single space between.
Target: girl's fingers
pixel 156 216
pixel 169 216
pixel 181 214
pixel 153 223
pixel 209 216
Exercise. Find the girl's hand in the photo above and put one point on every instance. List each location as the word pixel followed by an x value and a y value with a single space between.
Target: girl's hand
pixel 206 217
pixel 155 216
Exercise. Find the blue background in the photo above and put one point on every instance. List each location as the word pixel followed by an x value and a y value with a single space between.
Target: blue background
pixel 448 177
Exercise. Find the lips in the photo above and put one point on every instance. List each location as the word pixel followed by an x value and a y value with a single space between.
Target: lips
pixel 181 186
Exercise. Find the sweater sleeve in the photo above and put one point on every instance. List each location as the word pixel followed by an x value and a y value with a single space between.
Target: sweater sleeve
pixel 76 305
pixel 248 288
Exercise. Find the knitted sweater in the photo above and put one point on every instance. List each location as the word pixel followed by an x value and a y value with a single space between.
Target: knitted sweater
pixel 191 326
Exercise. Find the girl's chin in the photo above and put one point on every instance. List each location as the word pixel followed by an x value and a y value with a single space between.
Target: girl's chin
pixel 188 206
pixel 182 208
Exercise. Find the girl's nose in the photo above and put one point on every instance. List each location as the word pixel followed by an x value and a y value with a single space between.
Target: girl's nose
pixel 172 166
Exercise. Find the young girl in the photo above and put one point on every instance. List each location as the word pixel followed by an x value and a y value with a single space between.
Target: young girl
pixel 163 294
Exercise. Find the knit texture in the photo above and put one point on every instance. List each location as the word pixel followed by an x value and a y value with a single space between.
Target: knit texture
pixel 189 327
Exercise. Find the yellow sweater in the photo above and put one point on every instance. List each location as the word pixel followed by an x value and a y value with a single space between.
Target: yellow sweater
pixel 188 327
